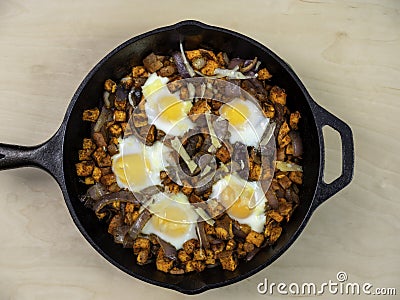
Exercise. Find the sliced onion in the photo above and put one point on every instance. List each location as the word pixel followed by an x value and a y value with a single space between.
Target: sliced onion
pixel 232 74
pixel 107 199
pixel 104 117
pixel 296 142
pixel 185 61
pixel 249 65
pixel 237 231
pixel 169 250
pixel 272 199
pixel 139 223
pixel 177 146
pixel 201 233
pixel 120 233
pixel 106 99
pixel 285 166
pixel 180 65
pixel 96 191
pixel 214 139
pixel 235 62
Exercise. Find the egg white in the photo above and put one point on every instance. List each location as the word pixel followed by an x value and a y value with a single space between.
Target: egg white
pixel 156 92
pixel 149 162
pixel 256 220
pixel 252 129
pixel 173 219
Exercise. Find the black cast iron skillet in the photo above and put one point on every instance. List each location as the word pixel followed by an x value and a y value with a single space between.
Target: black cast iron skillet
pixel 59 154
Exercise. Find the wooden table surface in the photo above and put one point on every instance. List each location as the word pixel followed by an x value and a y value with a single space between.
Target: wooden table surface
pixel 345 52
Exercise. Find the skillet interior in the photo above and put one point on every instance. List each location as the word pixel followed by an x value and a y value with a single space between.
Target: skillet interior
pixel 118 63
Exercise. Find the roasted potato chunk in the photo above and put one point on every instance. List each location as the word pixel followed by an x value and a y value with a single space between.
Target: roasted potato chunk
pixel 84 168
pixel 277 95
pixel 263 74
pixel 228 260
pixel 255 238
pixel 91 115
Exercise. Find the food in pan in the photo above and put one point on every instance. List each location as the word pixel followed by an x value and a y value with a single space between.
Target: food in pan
pixel 194 160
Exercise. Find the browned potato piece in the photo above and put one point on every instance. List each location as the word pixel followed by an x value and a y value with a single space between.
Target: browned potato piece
pixel 209 228
pixel 91 115
pixel 285 182
pixel 240 251
pixel 89 180
pixel 296 177
pixel 152 63
pixel 120 104
pixel 99 139
pixel 275 215
pixel 163 263
pixel 84 168
pixel 115 130
pixel 192 54
pixel 285 208
pixel 223 154
pixel 294 120
pixel 108 179
pixel 198 109
pixel 190 245
pixel 119 116
pixel 228 260
pixel 177 271
pixel 141 244
pixel 255 172
pixel 114 223
pixel 275 234
pixel 194 265
pixel 140 119
pixel 209 68
pixel 277 95
pixel 230 245
pixel 96 174
pixel 221 59
pixel 248 247
pixel 183 256
pixel 263 74
pixel 199 254
pixel 88 144
pixel 85 154
pixel 223 228
pixel 283 138
pixel 218 248
pixel 142 257
pixel 101 157
pixel 110 86
pixel 138 71
pixel 255 238
pixel 167 71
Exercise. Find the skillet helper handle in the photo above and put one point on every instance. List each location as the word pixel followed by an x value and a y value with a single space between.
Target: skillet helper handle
pixel 46 156
pixel 327 190
pixel 14 156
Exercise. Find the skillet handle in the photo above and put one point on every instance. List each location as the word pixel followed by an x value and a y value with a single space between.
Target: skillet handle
pixel 46 156
pixel 327 190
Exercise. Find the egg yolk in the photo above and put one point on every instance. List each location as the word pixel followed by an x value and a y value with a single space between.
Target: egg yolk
pixel 132 169
pixel 235 114
pixel 171 221
pixel 239 206
pixel 171 108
